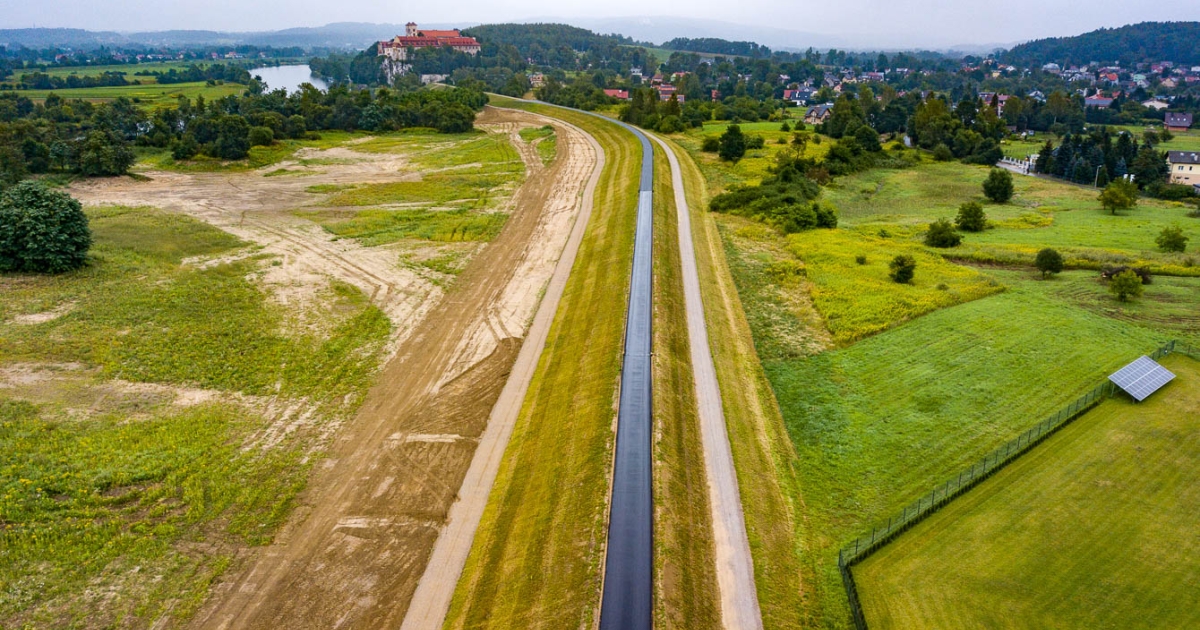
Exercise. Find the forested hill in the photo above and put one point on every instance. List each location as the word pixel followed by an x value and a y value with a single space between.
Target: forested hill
pixel 716 46
pixel 535 38
pixel 1136 43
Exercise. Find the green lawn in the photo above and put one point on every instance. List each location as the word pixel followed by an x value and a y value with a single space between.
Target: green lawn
pixel 1092 529
pixel 107 483
pixel 879 422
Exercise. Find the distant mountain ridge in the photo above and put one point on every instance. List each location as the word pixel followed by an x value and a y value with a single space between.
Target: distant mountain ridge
pixel 350 35
pixel 1136 43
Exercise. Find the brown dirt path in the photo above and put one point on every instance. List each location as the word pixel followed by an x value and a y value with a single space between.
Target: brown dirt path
pixel 353 553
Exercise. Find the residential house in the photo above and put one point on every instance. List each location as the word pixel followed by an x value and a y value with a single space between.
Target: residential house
pixel 1052 68
pixel 1185 167
pixel 1169 83
pixel 1099 102
pixel 1155 104
pixel 537 79
pixel 1177 121
pixel 620 95
pixel 818 114
pixel 800 96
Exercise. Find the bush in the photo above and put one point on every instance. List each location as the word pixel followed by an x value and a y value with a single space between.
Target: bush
pixel 755 142
pixel 902 268
pixel 971 217
pixel 785 127
pixel 1048 262
pixel 1126 285
pixel 941 234
pixel 999 186
pixel 185 148
pixel 42 230
pixel 861 259
pixel 942 153
pixel 1172 239
pixel 1119 195
pixel 261 137
pixel 868 138
pixel 710 145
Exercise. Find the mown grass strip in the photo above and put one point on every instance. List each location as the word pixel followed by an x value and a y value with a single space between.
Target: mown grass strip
pixel 537 555
pixel 762 453
pixel 687 595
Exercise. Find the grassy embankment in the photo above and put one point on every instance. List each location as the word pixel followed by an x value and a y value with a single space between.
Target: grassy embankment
pixel 538 552
pixel 972 375
pixel 685 565
pixel 1090 529
pixel 763 455
pixel 146 96
pixel 119 476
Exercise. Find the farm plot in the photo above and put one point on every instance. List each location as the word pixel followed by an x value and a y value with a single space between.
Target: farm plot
pixel 1093 528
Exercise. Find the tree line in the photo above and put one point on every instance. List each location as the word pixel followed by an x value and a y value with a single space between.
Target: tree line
pixel 87 139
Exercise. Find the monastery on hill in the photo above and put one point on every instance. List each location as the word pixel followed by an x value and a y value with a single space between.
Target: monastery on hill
pixel 396 48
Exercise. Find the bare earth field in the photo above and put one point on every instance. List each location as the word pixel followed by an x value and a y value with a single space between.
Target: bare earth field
pixel 353 551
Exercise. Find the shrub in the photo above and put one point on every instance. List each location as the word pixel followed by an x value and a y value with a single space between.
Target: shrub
pixel 785 127
pixel 1172 239
pixel 1126 285
pixel 971 217
pixel 902 268
pixel 261 137
pixel 755 142
pixel 861 259
pixel 942 153
pixel 42 230
pixel 185 148
pixel 941 234
pixel 999 186
pixel 710 145
pixel 101 154
pixel 1119 195
pixel 868 138
pixel 1048 262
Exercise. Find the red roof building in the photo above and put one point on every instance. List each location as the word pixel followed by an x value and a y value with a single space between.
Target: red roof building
pixel 397 48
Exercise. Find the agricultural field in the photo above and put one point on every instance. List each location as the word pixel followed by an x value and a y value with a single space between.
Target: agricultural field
pixel 1087 530
pixel 148 96
pixel 169 402
pixel 886 389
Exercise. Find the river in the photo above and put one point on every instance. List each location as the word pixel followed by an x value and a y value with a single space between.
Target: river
pixel 288 77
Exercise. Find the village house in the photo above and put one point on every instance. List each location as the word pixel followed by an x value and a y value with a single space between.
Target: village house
pixel 1155 104
pixel 397 48
pixel 1185 167
pixel 1178 122
pixel 799 96
pixel 1099 102
pixel 620 95
pixel 818 114
pixel 537 79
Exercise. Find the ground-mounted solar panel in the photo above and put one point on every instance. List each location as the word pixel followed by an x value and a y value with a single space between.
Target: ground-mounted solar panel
pixel 1141 378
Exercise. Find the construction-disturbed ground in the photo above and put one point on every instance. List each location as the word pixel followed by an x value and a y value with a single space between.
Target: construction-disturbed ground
pixel 354 551
pixel 386 469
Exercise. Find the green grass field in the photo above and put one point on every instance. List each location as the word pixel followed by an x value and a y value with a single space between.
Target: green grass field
pixel 1092 529
pixel 149 96
pixel 106 483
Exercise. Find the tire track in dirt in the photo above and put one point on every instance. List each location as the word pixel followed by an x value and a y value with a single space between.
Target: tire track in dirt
pixel 352 555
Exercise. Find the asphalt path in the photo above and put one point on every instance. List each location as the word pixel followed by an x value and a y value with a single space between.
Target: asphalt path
pixel 628 600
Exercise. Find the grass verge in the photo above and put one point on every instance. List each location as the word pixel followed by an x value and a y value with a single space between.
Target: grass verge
pixel 685 563
pixel 538 552
pixel 762 453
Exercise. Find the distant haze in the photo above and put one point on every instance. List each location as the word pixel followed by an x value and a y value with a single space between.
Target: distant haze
pixel 974 24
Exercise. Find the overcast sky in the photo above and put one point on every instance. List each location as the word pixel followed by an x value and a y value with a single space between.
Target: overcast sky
pixel 935 21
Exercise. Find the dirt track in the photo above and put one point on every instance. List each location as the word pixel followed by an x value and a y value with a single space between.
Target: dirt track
pixel 353 552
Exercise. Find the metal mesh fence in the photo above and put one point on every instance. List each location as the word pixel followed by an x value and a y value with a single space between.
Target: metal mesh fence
pixel 940 495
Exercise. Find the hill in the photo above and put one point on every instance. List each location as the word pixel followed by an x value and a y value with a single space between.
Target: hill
pixel 1136 43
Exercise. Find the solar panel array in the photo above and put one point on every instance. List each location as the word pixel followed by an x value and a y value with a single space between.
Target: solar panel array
pixel 1141 378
